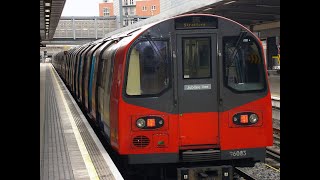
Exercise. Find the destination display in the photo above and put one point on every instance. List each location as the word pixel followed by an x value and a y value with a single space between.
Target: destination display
pixel 196 22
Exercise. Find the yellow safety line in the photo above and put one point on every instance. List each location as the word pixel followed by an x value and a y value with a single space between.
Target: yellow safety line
pixel 272 167
pixel 85 155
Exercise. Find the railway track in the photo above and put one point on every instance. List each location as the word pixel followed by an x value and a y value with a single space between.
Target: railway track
pixel 275 102
pixel 243 174
pixel 273 153
pixel 276 131
pixel 273 158
pixel 276 134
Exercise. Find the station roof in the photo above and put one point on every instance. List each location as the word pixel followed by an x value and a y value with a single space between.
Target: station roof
pixel 50 13
pixel 246 12
pixel 257 14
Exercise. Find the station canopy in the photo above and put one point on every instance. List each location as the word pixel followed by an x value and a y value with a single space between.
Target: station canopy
pixel 254 14
pixel 50 13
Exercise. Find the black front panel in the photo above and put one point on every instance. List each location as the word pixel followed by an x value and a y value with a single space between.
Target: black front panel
pixel 196 88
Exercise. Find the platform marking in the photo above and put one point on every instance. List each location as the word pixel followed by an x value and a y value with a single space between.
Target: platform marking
pixel 84 153
pixel 115 172
pixel 272 167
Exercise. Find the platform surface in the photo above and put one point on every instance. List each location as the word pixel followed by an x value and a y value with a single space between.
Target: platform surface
pixel 274 82
pixel 69 148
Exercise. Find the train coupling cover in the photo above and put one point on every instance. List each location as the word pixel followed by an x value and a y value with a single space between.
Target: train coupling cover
pixel 205 173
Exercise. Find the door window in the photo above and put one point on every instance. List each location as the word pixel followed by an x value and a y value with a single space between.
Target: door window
pixel 196 58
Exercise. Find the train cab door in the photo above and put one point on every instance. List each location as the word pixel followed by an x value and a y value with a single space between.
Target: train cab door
pixel 197 89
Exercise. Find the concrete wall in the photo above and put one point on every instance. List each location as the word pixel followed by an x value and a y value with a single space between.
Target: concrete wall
pixel 88 27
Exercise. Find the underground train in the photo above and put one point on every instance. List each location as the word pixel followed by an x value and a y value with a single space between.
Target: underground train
pixel 190 88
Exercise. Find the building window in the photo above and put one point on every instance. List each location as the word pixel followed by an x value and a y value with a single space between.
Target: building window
pixel 131 2
pixel 144 8
pixel 125 2
pixel 105 1
pixel 131 11
pixel 153 7
pixel 106 12
pixel 126 22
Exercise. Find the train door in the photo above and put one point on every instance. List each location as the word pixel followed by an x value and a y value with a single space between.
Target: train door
pixel 197 89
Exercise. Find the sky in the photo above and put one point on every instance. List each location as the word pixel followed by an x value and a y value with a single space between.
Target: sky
pixel 81 8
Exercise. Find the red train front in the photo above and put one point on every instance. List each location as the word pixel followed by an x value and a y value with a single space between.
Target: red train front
pixel 186 89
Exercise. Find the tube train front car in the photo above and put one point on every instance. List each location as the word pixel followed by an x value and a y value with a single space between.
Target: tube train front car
pixel 185 89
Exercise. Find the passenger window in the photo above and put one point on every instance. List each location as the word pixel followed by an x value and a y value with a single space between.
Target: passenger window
pixel 243 64
pixel 148 71
pixel 196 58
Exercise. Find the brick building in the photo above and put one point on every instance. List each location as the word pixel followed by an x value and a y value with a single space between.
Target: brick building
pixel 106 8
pixel 132 10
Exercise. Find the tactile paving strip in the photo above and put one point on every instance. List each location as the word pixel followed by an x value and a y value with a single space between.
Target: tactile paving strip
pixel 98 161
pixel 56 161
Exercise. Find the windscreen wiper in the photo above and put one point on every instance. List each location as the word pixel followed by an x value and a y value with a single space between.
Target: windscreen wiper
pixel 237 45
pixel 154 47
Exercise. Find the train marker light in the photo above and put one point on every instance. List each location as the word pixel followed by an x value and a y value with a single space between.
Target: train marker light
pixel 253 118
pixel 235 119
pixel 244 119
pixel 151 122
pixel 140 123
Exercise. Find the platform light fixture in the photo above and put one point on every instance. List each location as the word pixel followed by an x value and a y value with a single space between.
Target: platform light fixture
pixel 229 2
pixel 47 10
pixel 47 19
pixel 47 23
pixel 47 15
pixel 267 6
pixel 47 4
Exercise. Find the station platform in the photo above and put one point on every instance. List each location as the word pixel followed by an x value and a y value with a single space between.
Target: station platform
pixel 69 148
pixel 274 82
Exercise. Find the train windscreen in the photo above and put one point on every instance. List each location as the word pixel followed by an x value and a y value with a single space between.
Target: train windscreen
pixel 243 64
pixel 148 72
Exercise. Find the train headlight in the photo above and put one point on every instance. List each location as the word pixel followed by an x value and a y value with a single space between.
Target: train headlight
pixel 141 123
pixel 253 118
